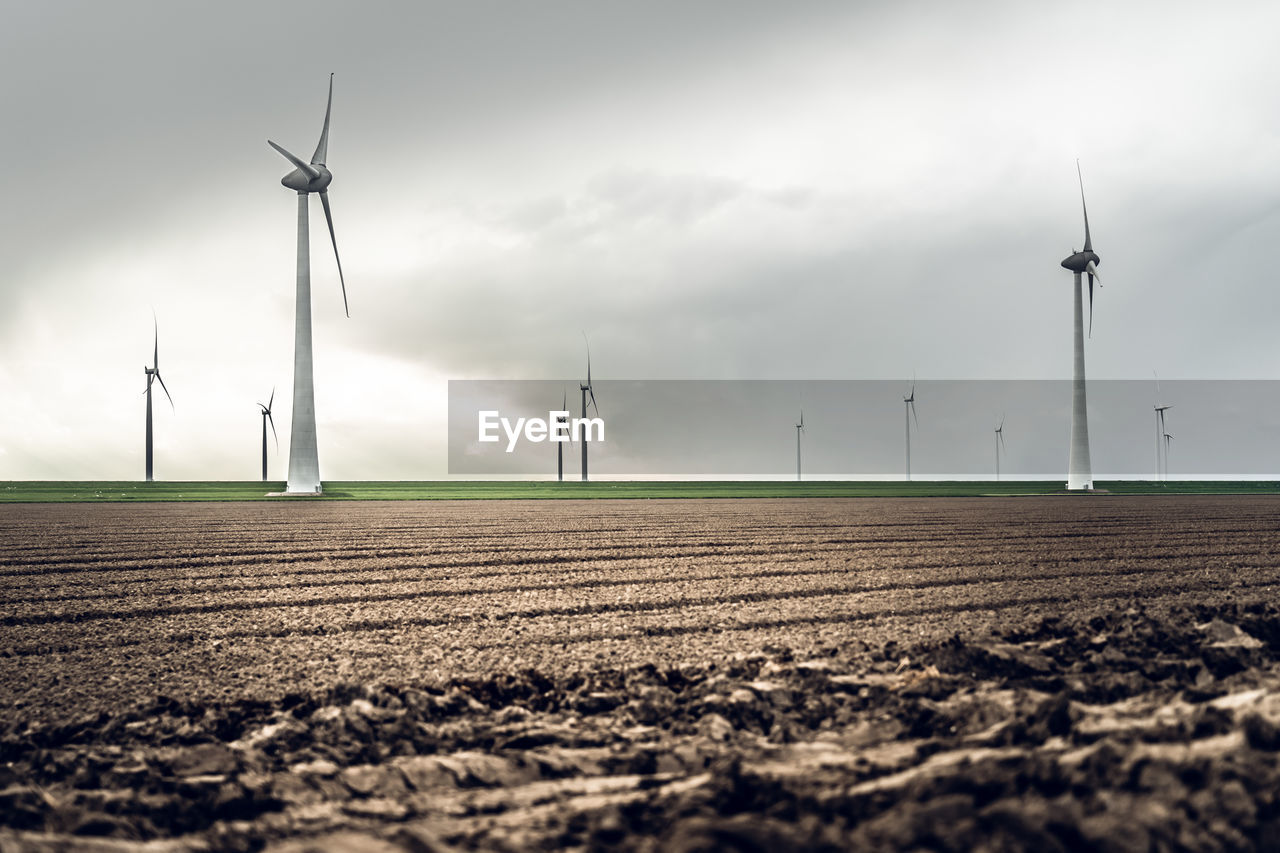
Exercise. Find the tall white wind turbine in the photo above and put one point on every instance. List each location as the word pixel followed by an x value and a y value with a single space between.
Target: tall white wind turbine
pixel 307 178
pixel 1079 469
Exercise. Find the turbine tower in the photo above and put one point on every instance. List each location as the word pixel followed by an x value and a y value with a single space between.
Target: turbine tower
pixel 909 413
pixel 307 178
pixel 1160 410
pixel 799 429
pixel 1079 469
pixel 266 418
pixel 153 374
pixel 999 446
pixel 587 390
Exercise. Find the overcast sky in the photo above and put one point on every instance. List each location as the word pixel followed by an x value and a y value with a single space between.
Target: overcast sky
pixel 714 190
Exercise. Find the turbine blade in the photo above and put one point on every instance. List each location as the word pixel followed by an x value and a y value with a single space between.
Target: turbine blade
pixel 913 412
pixel 584 337
pixel 271 400
pixel 166 391
pixel 271 421
pixel 1091 303
pixel 1088 243
pixel 155 357
pixel 322 149
pixel 592 394
pixel 306 168
pixel 328 217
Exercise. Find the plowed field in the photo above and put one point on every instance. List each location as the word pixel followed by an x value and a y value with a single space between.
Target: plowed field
pixel 640 673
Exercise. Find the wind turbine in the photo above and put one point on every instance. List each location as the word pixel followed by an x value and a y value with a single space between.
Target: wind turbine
pixel 799 429
pixel 909 413
pixel 1079 469
pixel 999 446
pixel 266 418
pixel 587 390
pixel 153 374
pixel 1167 438
pixel 307 178
pixel 1160 410
pixel 562 424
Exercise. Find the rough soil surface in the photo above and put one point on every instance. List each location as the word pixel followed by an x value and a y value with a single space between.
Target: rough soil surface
pixel 752 675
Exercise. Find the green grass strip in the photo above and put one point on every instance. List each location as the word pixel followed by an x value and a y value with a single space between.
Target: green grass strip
pixel 61 491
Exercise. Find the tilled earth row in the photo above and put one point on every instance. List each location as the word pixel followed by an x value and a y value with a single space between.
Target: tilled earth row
pixel 1004 673
pixel 1117 732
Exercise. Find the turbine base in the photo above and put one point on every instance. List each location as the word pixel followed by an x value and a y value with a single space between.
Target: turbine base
pixel 1079 484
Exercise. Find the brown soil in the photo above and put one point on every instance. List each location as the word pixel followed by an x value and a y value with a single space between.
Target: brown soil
pixel 1007 673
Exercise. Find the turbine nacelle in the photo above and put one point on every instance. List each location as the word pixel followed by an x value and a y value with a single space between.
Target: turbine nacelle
pixel 1083 262
pixel 300 181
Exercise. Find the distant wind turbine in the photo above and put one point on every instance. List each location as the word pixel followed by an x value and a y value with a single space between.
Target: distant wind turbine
pixel 266 419
pixel 1167 438
pixel 153 374
pixel 1160 410
pixel 307 178
pixel 1079 469
pixel 562 424
pixel 587 390
pixel 999 446
pixel 909 413
pixel 799 429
